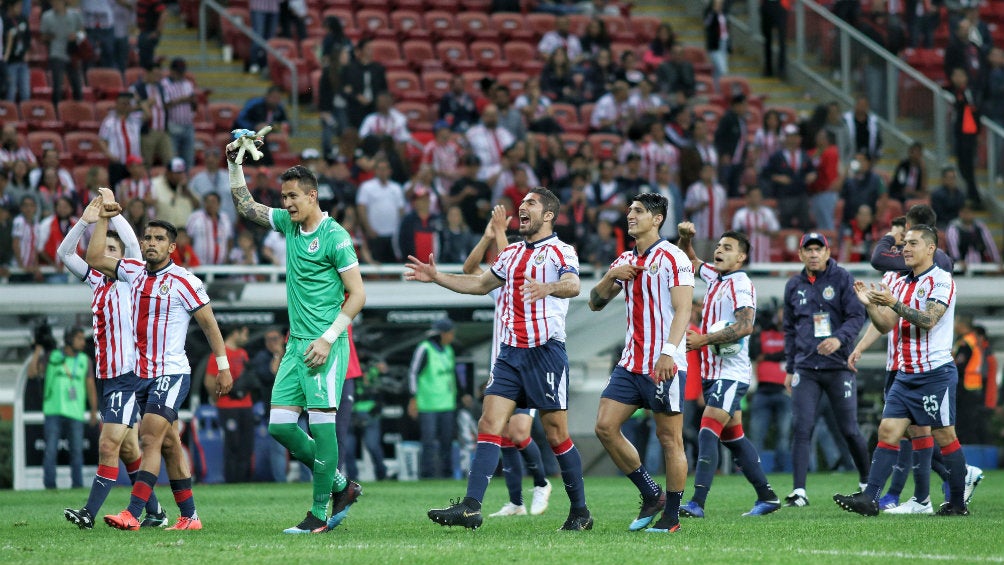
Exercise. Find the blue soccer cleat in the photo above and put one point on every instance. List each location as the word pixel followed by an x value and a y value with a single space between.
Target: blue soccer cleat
pixel 763 507
pixel 888 502
pixel 692 510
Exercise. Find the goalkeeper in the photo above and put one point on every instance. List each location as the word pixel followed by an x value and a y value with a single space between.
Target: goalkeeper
pixel 324 291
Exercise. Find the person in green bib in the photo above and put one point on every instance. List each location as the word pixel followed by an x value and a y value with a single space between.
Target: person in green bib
pixel 432 380
pixel 324 291
pixel 69 390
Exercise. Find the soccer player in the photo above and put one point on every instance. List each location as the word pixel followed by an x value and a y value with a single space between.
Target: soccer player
pixel 322 267
pixel 920 306
pixel 114 352
pixel 821 321
pixel 658 283
pixel 165 297
pixel 730 298
pixel 516 440
pixel 537 277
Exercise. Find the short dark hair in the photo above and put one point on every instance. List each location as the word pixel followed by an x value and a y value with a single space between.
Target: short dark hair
pixel 927 233
pixel 302 175
pixel 115 235
pixel 921 215
pixel 744 241
pixel 654 203
pixel 70 333
pixel 548 200
pixel 172 232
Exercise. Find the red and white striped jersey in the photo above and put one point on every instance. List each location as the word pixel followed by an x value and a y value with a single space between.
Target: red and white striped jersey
pixel 758 225
pixel 181 114
pixel 23 230
pixel 163 303
pixel 496 295
pixel 921 350
pixel 129 188
pixel 892 360
pixel 726 294
pixel 655 153
pixel 649 305
pixel 708 221
pixel 532 324
pixel 211 237
pixel 443 158
pixel 114 338
pixel 122 134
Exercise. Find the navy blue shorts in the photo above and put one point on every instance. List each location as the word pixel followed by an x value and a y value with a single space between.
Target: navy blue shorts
pixel 927 401
pixel 533 377
pixel 724 394
pixel 531 412
pixel 635 389
pixel 118 399
pixel 163 395
pixel 890 378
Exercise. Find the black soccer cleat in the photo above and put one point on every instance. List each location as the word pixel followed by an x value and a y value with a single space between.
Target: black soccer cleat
pixel 859 503
pixel 457 514
pixel 947 509
pixel 82 518
pixel 665 526
pixel 650 506
pixel 341 501
pixel 577 521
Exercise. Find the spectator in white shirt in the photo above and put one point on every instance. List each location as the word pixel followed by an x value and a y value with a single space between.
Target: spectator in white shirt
pixel 215 179
pixel 386 120
pixel 380 204
pixel 212 233
pixel 560 37
pixel 705 206
pixel 759 223
pixel 487 139
pixel 612 111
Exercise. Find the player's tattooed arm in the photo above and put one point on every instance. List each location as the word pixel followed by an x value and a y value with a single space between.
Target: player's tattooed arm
pixel 597 301
pixel 927 319
pixel 248 208
pixel 742 327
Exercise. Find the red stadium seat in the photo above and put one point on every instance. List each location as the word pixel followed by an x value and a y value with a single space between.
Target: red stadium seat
pixel 39 81
pixel 522 55
pixel 514 81
pixel 605 144
pixel 389 54
pixel 102 108
pixel 512 26
pixel 346 15
pixel 8 112
pixel 374 23
pixel 106 83
pixel 476 26
pixel 577 24
pixel 567 117
pixel 644 27
pixel 85 147
pixel 419 118
pixel 40 141
pixel 40 115
pixel 476 5
pixel 436 83
pixel 289 49
pixel 442 25
pixel 417 52
pixel 454 56
pixel 488 56
pixel 540 23
pixel 78 115
pixel 309 52
pixel 223 114
pixel 572 141
pixel 405 86
pixel 472 81
pixel 618 29
pixel 698 57
pixel 408 24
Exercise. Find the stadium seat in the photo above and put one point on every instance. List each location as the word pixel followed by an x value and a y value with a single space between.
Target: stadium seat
pixel 644 27
pixel 419 118
pixel 39 82
pixel 223 114
pixel 522 56
pixel 477 27
pixel 346 15
pixel 572 141
pixel 442 26
pixel 711 113
pixel 102 108
pixel 415 5
pixel 476 5
pixel 436 83
pixel 787 114
pixel 78 115
pixel 512 26
pixel 233 36
pixel 405 86
pixel 310 53
pixel 375 23
pixel 417 52
pixel 454 56
pixel 698 57
pixel 472 81
pixel 133 75
pixel 85 147
pixel 106 83
pixel 408 24
pixel 619 48
pixel 577 24
pixel 40 115
pixel 586 113
pixel 605 144
pixel 8 112
pixel 704 85
pixel 39 141
pixel 488 56
pixel 567 117
pixel 514 81
pixel 288 49
pixel 619 30
pixel 79 174
pixel 540 23
pixel 388 53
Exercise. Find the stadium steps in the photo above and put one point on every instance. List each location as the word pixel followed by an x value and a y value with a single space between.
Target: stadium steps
pixel 228 81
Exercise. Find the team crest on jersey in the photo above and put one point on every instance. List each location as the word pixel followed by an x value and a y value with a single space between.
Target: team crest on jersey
pixel 164 289
pixel 921 292
pixel 653 269
pixel 539 259
pixel 314 246
pixel 828 293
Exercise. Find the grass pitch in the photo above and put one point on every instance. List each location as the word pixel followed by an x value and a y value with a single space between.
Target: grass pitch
pixel 243 525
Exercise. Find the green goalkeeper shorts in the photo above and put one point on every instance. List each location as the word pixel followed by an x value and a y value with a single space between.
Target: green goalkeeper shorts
pixel 299 385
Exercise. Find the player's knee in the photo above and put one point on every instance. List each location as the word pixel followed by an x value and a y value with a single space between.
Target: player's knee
pixel 606 430
pixel 944 436
pixel 108 447
pixel 670 440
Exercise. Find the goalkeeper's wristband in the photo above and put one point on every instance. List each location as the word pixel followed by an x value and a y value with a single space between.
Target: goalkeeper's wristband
pixel 236 175
pixel 337 328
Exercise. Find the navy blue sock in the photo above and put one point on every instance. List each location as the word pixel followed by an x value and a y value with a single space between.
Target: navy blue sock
pixel 534 463
pixel 512 470
pixel 746 457
pixel 646 485
pixel 672 511
pixel 571 473
pixel 182 489
pixel 883 459
pixel 922 448
pixel 152 504
pixel 955 460
pixel 141 491
pixel 707 464
pixel 486 458
pixel 104 480
pixel 938 465
pixel 901 469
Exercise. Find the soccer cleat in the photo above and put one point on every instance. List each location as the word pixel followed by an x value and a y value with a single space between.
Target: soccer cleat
pixel 973 477
pixel 186 523
pixel 82 518
pixel 664 526
pixel 341 501
pixel 858 502
pixel 650 506
pixel 510 509
pixel 795 500
pixel 763 507
pixel 457 514
pixel 889 501
pixel 692 510
pixel 541 495
pixel 124 520
pixel 911 507
pixel 946 509
pixel 577 522
pixel 310 525
pixel 154 520
pixel 945 489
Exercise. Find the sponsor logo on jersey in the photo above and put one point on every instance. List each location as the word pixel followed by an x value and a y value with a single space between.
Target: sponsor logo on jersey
pixel 828 293
pixel 314 246
pixel 343 244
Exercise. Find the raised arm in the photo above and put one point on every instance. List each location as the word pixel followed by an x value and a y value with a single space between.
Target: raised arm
pixel 96 257
pixel 243 201
pixel 67 250
pixel 128 237
pixel 494 233
pixel 685 243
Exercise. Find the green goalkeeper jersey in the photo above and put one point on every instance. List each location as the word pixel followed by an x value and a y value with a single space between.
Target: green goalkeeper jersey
pixel 314 263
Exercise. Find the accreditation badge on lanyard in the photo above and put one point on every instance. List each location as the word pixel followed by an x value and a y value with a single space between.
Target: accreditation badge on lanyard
pixel 821 324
